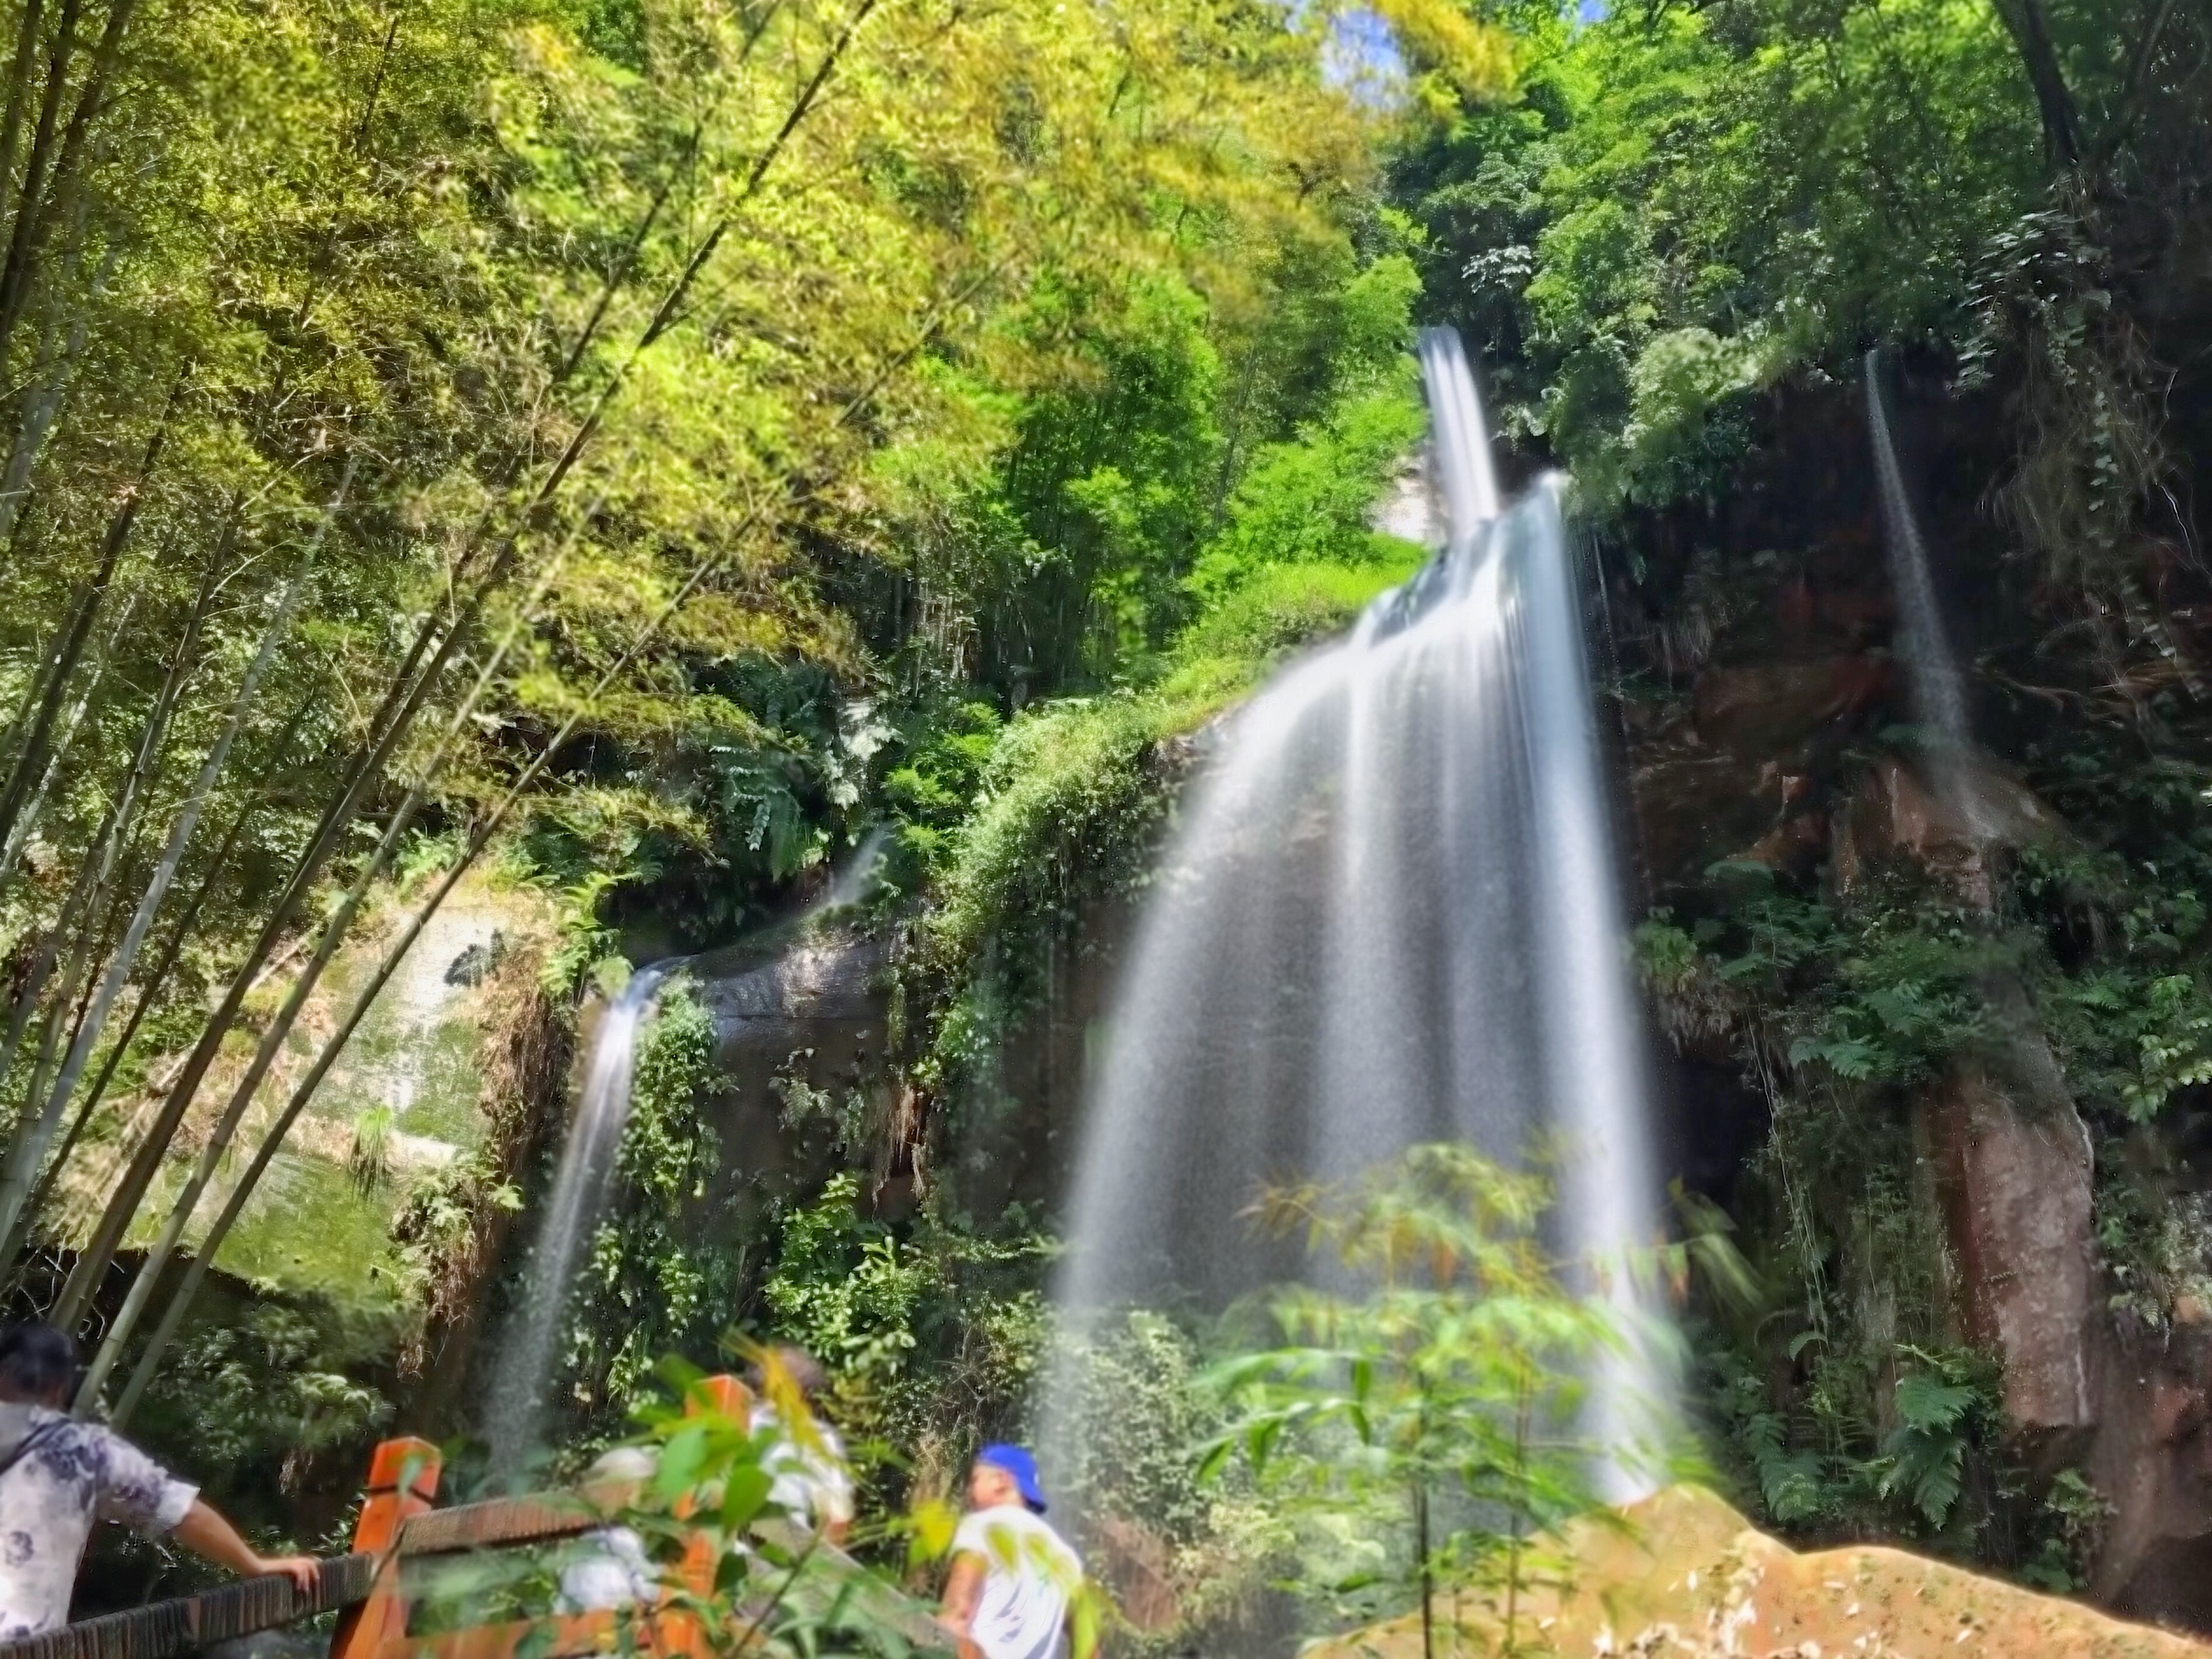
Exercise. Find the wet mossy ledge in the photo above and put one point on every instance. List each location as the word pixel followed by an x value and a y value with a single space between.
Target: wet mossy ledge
pixel 1070 802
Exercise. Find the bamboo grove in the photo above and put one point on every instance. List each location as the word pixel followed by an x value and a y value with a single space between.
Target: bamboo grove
pixel 401 400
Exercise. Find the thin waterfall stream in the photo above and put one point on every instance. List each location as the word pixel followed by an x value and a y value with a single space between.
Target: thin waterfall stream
pixel 516 1409
pixel 528 1358
pixel 1939 694
pixel 1391 915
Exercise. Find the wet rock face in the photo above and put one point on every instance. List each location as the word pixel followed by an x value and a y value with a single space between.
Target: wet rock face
pixel 820 989
pixel 2015 1178
pixel 807 1011
pixel 1729 774
pixel 1770 708
pixel 2153 1463
pixel 1895 812
pixel 2015 1186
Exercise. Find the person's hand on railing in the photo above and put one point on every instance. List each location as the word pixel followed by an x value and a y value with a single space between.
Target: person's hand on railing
pixel 301 1569
pixel 205 1533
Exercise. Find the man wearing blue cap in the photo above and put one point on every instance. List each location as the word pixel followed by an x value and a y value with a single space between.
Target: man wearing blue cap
pixel 1012 1575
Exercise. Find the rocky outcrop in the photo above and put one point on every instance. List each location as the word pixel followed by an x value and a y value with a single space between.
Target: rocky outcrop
pixel 1729 773
pixel 1683 1575
pixel 1771 708
pixel 1948 826
pixel 817 996
pixel 2152 1462
pixel 801 1018
pixel 2013 1185
pixel 2013 1176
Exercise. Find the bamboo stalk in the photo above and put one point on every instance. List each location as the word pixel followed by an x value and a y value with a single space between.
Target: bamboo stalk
pixel 31 756
pixel 32 196
pixel 115 1217
pixel 334 932
pixel 74 904
pixel 19 95
pixel 59 199
pixel 92 1264
pixel 30 1153
pixel 181 1303
pixel 149 991
pixel 394 717
pixel 665 316
pixel 48 382
pixel 28 822
pixel 66 990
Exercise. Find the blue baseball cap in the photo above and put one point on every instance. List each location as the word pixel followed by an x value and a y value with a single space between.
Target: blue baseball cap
pixel 1016 1461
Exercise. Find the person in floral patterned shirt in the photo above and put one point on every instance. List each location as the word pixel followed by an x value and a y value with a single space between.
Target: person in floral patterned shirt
pixel 58 1475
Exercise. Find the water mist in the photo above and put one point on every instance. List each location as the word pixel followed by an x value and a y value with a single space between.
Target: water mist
pixel 1391 915
pixel 1939 693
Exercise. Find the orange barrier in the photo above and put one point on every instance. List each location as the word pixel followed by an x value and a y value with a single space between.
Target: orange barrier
pixel 398 1523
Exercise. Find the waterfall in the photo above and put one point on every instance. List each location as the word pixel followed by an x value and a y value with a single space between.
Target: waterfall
pixel 529 1357
pixel 1939 695
pixel 516 1409
pixel 1390 916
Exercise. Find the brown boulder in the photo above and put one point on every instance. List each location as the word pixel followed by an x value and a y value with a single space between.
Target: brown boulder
pixel 1683 1575
pixel 2153 1465
pixel 1693 806
pixel 1949 826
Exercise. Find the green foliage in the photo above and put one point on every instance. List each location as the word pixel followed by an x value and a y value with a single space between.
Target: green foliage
pixel 2133 1020
pixel 1926 1454
pixel 1687 207
pixel 2155 1243
pixel 708 1479
pixel 2073 1517
pixel 1431 1417
pixel 268 1388
pixel 1309 502
pixel 661 1275
pixel 1881 986
pixel 1137 1411
pixel 1135 1402
pixel 931 1339
pixel 845 1290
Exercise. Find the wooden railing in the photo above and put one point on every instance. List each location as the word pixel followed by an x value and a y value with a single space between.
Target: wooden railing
pixel 398 1524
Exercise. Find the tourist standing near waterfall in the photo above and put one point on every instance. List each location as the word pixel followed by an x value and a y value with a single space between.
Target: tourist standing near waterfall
pixel 1012 1575
pixel 58 1475
pixel 806 1460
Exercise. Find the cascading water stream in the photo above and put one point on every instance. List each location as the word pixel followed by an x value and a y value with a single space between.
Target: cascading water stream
pixel 1939 695
pixel 516 1407
pixel 1391 915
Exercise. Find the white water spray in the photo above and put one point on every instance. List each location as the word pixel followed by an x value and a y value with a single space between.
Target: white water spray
pixel 1391 916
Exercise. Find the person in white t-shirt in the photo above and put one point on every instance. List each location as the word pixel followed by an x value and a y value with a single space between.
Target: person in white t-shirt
pixel 1012 1575
pixel 812 1486
pixel 608 1567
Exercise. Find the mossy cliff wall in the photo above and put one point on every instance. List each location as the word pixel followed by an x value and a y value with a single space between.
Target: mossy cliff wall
pixel 1934 1026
